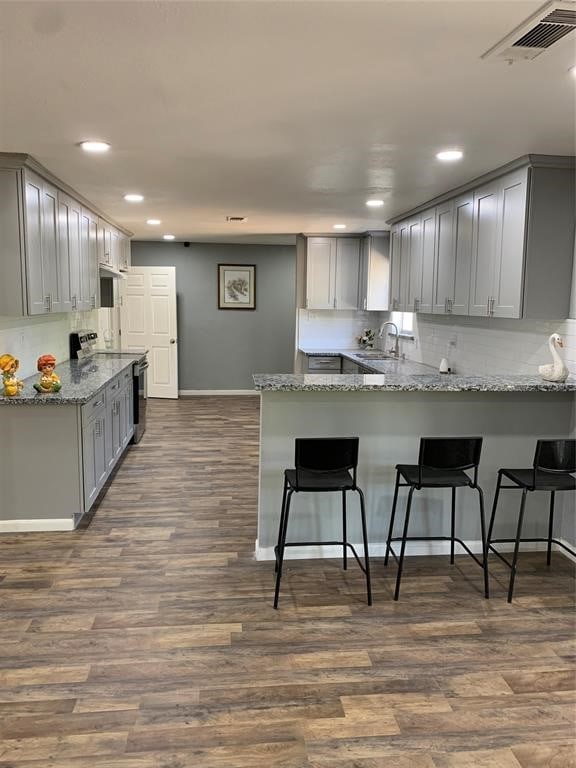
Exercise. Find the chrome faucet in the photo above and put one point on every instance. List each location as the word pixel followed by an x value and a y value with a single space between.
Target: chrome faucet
pixel 396 350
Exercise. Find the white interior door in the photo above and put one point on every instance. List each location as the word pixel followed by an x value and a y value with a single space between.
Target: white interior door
pixel 148 319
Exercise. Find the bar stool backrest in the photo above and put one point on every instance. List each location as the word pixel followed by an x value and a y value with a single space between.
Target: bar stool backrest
pixel 557 456
pixel 326 455
pixel 450 453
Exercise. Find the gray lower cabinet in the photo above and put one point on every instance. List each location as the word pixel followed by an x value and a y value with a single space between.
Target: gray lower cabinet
pixel 94 464
pixel 107 426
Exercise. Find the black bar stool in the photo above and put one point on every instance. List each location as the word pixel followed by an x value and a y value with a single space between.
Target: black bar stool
pixel 322 464
pixel 552 470
pixel 441 464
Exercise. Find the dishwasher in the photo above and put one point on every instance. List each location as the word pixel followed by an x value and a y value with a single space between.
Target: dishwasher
pixel 318 364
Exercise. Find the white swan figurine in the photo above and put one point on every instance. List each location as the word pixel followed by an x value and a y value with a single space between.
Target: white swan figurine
pixel 555 371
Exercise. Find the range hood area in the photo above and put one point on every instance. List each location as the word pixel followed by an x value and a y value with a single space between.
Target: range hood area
pixel 107 271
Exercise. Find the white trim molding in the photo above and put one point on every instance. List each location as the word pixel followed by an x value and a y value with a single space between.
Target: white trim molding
pixel 413 548
pixel 37 525
pixel 208 392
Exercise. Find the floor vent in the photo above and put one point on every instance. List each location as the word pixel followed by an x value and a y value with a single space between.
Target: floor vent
pixel 547 26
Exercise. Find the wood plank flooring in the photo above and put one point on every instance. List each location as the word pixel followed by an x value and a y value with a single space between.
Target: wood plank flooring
pixel 147 638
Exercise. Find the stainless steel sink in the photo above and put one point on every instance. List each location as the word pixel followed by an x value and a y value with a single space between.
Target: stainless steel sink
pixel 375 355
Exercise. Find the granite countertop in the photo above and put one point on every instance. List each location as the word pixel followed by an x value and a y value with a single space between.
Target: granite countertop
pixel 80 381
pixel 401 376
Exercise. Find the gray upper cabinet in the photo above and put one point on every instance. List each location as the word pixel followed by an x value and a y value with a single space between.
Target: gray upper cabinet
pixel 69 221
pixel 428 229
pixel 453 255
pixel 332 272
pixel 48 243
pixel 503 248
pixel 375 272
pixel 42 268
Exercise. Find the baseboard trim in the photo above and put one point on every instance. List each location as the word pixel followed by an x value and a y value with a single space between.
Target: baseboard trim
pixel 208 392
pixel 37 525
pixel 413 549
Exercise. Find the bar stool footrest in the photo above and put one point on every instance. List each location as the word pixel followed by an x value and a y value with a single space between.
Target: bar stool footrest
pixel 436 538
pixel 513 541
pixel 320 544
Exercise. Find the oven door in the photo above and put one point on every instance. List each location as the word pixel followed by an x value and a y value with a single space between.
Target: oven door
pixel 140 396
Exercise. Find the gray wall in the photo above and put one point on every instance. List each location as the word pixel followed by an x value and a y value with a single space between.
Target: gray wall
pixel 221 349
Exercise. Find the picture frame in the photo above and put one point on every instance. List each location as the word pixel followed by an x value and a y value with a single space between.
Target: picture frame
pixel 237 286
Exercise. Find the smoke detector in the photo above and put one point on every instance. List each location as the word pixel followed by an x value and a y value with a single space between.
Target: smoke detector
pixel 539 32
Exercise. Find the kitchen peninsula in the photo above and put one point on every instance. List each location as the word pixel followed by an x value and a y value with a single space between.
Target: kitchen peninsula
pixel 59 449
pixel 390 410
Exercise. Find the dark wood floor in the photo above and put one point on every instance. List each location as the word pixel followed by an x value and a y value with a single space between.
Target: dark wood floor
pixel 147 639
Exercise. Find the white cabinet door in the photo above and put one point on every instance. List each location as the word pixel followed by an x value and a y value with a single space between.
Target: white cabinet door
pixel 508 273
pixel 463 219
pixel 428 260
pixel 320 272
pixel 124 252
pixel 127 412
pixel 484 240
pixel 114 248
pixel 444 280
pixel 404 267
pixel 347 273
pixel 414 287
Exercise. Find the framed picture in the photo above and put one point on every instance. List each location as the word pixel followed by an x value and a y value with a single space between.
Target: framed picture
pixel 236 286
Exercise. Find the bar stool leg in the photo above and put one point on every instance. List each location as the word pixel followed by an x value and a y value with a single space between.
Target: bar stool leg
pixel 493 515
pixel 484 545
pixel 365 539
pixel 281 547
pixel 393 515
pixel 281 524
pixel 452 526
pixel 550 528
pixel 344 539
pixel 403 548
pixel 517 544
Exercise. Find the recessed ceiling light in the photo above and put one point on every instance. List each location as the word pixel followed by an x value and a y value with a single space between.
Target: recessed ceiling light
pixel 133 198
pixel 169 237
pixel 374 203
pixel 153 222
pixel 572 71
pixel 95 146
pixel 339 226
pixel 449 155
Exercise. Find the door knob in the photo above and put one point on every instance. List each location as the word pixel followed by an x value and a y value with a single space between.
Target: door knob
pixel 173 341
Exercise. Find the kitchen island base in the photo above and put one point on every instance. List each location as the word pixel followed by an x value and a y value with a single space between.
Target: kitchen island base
pixel 390 424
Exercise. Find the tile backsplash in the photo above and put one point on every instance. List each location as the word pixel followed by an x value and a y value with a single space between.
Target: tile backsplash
pixel 29 337
pixel 335 329
pixel 482 345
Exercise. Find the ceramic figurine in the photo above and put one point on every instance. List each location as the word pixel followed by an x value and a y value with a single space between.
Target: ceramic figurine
pixel 9 366
pixel 49 381
pixel 555 371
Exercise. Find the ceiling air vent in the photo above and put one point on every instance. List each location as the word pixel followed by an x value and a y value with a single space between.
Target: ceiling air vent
pixel 236 218
pixel 547 26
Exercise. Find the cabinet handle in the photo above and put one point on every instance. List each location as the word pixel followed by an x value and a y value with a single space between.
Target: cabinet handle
pixel 97 428
pixel 446 306
pixel 449 306
pixel 416 305
pixel 93 302
pixel 334 302
pixel 491 307
pixel 47 303
pixel 74 302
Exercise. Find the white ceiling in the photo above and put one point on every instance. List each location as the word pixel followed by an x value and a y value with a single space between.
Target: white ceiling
pixel 289 113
